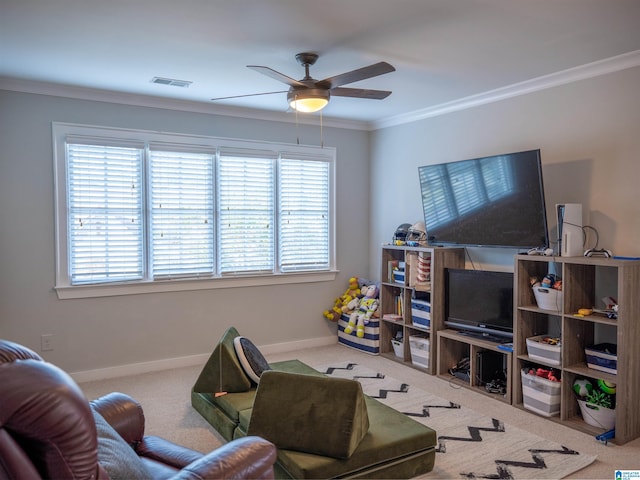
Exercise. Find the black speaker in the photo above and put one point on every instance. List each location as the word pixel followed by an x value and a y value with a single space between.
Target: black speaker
pixel 490 366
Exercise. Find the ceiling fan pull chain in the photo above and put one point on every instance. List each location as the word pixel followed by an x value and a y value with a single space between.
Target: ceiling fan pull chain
pixel 297 129
pixel 321 132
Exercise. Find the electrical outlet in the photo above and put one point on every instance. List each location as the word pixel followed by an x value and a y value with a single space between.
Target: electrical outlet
pixel 46 342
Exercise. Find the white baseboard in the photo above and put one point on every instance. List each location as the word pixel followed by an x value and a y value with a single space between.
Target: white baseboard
pixel 191 360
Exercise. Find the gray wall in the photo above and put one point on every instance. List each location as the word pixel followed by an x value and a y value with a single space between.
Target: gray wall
pixel 589 136
pixel 587 132
pixel 106 332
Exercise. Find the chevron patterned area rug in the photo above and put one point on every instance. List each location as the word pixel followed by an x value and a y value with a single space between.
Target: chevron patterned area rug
pixel 470 445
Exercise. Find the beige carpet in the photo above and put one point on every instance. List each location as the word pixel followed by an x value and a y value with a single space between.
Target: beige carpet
pixel 166 402
pixel 470 445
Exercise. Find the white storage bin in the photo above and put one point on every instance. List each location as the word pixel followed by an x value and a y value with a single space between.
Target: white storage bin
pixel 419 351
pixel 398 348
pixel 597 416
pixel 548 298
pixel 542 351
pixel 540 395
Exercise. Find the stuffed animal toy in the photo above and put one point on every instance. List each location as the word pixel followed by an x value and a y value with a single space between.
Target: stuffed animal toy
pixel 351 305
pixel 354 289
pixel 333 315
pixel 367 307
pixel 340 304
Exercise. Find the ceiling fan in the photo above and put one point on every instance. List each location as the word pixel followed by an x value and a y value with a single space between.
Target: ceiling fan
pixel 310 95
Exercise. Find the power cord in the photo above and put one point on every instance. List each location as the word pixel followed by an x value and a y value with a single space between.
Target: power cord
pixel 584 229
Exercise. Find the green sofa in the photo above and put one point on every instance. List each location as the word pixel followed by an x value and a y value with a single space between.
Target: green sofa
pixel 323 427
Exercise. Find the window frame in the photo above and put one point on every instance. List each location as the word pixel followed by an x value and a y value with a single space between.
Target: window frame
pixel 119 136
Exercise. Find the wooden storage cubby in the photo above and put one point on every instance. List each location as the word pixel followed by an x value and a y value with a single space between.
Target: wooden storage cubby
pixel 452 346
pixel 584 282
pixel 394 294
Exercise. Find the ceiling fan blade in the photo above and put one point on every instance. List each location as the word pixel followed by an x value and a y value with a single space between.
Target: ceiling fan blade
pixel 248 95
pixel 360 93
pixel 270 72
pixel 363 73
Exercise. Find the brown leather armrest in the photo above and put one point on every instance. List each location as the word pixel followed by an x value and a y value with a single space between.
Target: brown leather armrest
pixel 124 414
pixel 167 452
pixel 247 457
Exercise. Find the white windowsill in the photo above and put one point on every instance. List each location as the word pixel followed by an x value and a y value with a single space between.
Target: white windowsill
pixel 88 291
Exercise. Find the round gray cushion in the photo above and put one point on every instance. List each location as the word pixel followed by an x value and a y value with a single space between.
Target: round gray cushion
pixel 251 359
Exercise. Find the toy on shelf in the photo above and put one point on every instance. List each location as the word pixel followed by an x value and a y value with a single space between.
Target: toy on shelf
pixel 341 304
pixel 417 235
pixel 548 374
pixel 597 402
pixel 400 235
pixel 366 309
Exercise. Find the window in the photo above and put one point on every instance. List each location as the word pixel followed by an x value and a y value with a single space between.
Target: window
pixel 105 213
pixel 181 213
pixel 303 214
pixel 142 211
pixel 246 211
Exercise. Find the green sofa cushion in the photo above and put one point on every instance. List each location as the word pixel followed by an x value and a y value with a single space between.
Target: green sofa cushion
pixel 396 446
pixel 295 366
pixel 233 403
pixel 244 420
pixel 223 372
pixel 310 413
pixel 224 413
pixel 203 404
pixel 291 366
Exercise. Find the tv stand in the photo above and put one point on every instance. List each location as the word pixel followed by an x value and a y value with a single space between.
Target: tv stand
pixel 456 344
pixel 483 336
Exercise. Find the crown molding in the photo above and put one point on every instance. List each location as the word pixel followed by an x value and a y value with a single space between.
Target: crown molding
pixel 108 96
pixel 570 75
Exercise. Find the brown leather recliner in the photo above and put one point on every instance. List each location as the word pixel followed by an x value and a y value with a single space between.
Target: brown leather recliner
pixel 47 430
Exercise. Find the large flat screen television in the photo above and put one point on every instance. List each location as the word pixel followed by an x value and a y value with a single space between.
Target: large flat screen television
pixel 495 201
pixel 479 301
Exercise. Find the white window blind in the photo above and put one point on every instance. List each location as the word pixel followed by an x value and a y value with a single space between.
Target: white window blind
pixel 246 234
pixel 105 221
pixel 303 213
pixel 181 206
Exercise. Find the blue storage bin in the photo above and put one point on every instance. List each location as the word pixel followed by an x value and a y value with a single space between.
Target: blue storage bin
pixel 421 313
pixel 603 357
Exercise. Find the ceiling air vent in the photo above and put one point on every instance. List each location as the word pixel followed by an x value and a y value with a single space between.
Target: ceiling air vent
pixel 171 81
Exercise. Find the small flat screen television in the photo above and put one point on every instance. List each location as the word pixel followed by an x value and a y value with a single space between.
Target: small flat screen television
pixel 479 301
pixel 495 201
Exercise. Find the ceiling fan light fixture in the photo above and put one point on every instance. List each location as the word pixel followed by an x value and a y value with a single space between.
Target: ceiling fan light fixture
pixel 308 100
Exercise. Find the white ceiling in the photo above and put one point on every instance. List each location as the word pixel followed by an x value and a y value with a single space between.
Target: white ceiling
pixel 443 50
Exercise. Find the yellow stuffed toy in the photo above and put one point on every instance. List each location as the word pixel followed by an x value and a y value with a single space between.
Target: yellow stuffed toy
pixel 335 312
pixel 340 304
